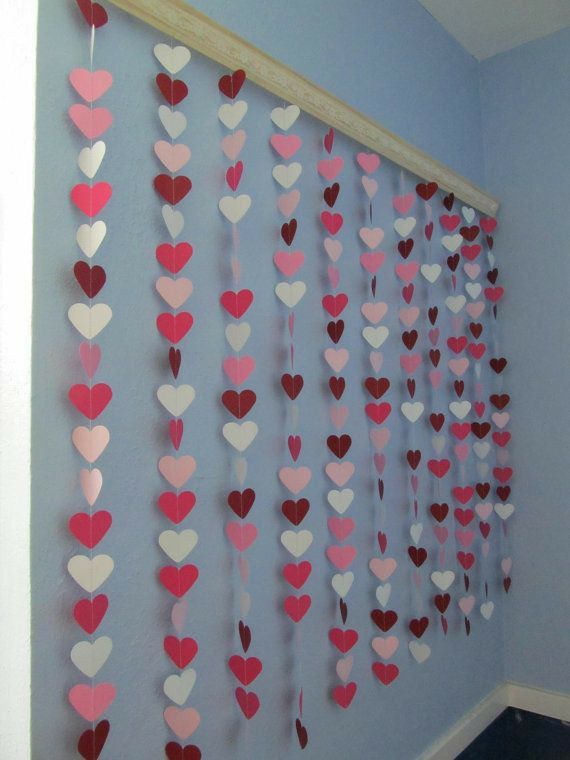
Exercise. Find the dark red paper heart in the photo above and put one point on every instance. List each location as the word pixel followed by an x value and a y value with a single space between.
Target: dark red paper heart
pixel 339 444
pixel 417 554
pixel 292 385
pixel 427 190
pixel 384 619
pixel 295 511
pixel 330 194
pixel 91 279
pixel 441 602
pixel 409 338
pixel 414 458
pixel 439 511
pixel 173 90
pixel 241 502
pixel 230 84
pixel 92 741
pixel 172 189
pixel 432 314
pixel 335 330
pixel 377 387
pixel 337 386
pixel 244 635
pixel 469 233
pixel 302 734
pixel 418 626
pixel 93 13
pixel 437 421
pixel 175 751
pixel 288 230
pixel 239 404
pixel 382 541
pixel 405 247
pixel 448 201
pixel 435 356
pixel 453 262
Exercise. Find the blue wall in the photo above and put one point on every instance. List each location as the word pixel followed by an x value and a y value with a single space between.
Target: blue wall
pixel 526 112
pixel 418 82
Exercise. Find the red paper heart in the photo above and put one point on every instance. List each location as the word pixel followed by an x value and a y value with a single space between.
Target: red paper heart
pixel 302 734
pixel 239 404
pixel 91 402
pixel 230 84
pixel 418 626
pixel 343 640
pixel 344 694
pixel 174 326
pixel 89 613
pixel 176 506
pixel 245 669
pixel 384 619
pixel 460 430
pixel 328 140
pixel 91 279
pixel 92 741
pixel 174 257
pixel 332 222
pixel 90 529
pixel 463 495
pixel 439 511
pixel 339 445
pixel 180 651
pixel 466 560
pixel 294 445
pixel 427 190
pixel 408 293
pixel 248 702
pixel 335 305
pixel 295 511
pixel 241 502
pixel 439 467
pixel 174 751
pixel 292 385
pixel 176 431
pixel 96 16
pixel 233 175
pixel 382 541
pixel 297 574
pixel 457 344
pixel 173 90
pixel 385 673
pixel 378 412
pixel 485 529
pixel 464 516
pixel 172 189
pixel 501 438
pixel 175 360
pixel 178 580
pixel 236 303
pixel 297 607
pixel 91 199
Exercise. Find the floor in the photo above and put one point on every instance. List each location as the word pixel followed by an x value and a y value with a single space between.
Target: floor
pixel 521 735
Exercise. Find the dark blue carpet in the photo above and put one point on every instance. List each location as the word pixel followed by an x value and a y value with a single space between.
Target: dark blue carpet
pixel 521 735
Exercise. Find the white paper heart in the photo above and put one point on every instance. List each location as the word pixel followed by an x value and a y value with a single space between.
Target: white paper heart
pixel 420 652
pixel 237 335
pixel 230 114
pixel 482 449
pixel 173 121
pixel 240 470
pixel 460 409
pixel 468 213
pixel 244 604
pixel 487 609
pixel 290 293
pixel 173 219
pixel 412 410
pixel 89 320
pixel 375 336
pixel 90 573
pixel 297 542
pixel 438 442
pixel 404 225
pixel 287 174
pixel 172 58
pixel 504 510
pixel 179 687
pixel 431 272
pixel 176 399
pixel 416 530
pixel 177 545
pixel 451 242
pixel 473 289
pixel 340 501
pixel 89 159
pixel 90 656
pixel 240 435
pixel 383 592
pixel 234 208
pixel 482 470
pixel 284 118
pixel 443 579
pixel 455 303
pixel 90 236
pixel 342 583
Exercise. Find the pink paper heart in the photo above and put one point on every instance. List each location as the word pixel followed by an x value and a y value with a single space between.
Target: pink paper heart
pixel 288 202
pixel 91 122
pixel 417 578
pixel 90 356
pixel 241 535
pixel 340 472
pixel 336 358
pixel 329 168
pixel 407 271
pixel 410 362
pixel 484 510
pixel 341 527
pixel 295 479
pixel 374 312
pixel 465 537
pixel 385 646
pixel 90 443
pixel 372 261
pixel 177 470
pixel 333 248
pixel 334 277
pixel 441 533
pixel 289 262
pixel 344 667
pixel 472 270
pixel 379 437
pixel 233 144
pixel 182 721
pixel 371 236
pixel 403 203
pixel 91 85
pixel 238 369
pixel 338 415
pixel 376 360
pixel 409 316
pixel 414 482
pixel 174 291
pixel 91 482
pixel 466 604
pixel 285 145
pixel 370 186
pixel 503 456
pixel 485 548
pixel 456 324
pixel 368 162
pixel 506 565
pixel 341 556
pixel 174 157
pixel 379 463
pixel 382 568
pixel 91 701
pixel 178 615
pixel 461 451
pixel 243 567
pixel 458 366
pixel 449 221
pixel 435 378
pixel 434 336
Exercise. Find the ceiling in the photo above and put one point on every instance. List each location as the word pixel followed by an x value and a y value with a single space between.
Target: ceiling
pixel 488 27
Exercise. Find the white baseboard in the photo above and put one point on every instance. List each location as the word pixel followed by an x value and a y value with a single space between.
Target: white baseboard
pixel 461 734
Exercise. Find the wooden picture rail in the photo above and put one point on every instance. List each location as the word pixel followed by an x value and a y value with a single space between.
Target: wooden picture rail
pixel 177 19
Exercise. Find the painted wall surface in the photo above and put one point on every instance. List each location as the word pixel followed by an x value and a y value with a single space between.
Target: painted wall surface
pixel 397 722
pixel 526 112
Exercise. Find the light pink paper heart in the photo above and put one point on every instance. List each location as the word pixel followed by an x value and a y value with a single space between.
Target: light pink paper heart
pixel 376 360
pixel 472 270
pixel 371 236
pixel 338 415
pixel 91 701
pixel 90 443
pixel 90 356
pixel 340 472
pixel 177 470
pixel 409 316
pixel 91 122
pixel 334 277
pixel 341 556
pixel 289 262
pixel 385 646
pixel 484 509
pixel 485 548
pixel 503 456
pixel 435 378
pixel 382 568
pixel 456 324
pixel 372 261
pixel 440 533
pixel 238 369
pixel 403 203
pixel 178 615
pixel 174 157
pixel 183 721
pixel 506 565
pixel 243 567
pixel 340 527
pixel 461 451
pixel 410 362
pixel 91 482
pixel 475 309
pixel 370 186
pixel 336 358
pixel 174 291
pixel 233 144
pixel 458 366
pixel 368 162
pixel 288 202
pixel 374 312
pixel 379 437
pixel 241 535
pixel 466 604
pixel 285 145
pixel 333 248
pixel 344 667
pixel 295 479
pixel 407 271
pixel 379 463
pixel 329 168
pixel 434 336
pixel 91 85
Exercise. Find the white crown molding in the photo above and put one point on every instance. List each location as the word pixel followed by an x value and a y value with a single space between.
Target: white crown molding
pixel 182 22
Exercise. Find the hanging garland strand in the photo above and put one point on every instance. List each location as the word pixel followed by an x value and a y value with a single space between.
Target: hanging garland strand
pixel 90 571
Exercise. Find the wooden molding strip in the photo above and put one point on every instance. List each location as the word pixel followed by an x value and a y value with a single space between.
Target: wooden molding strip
pixel 179 20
